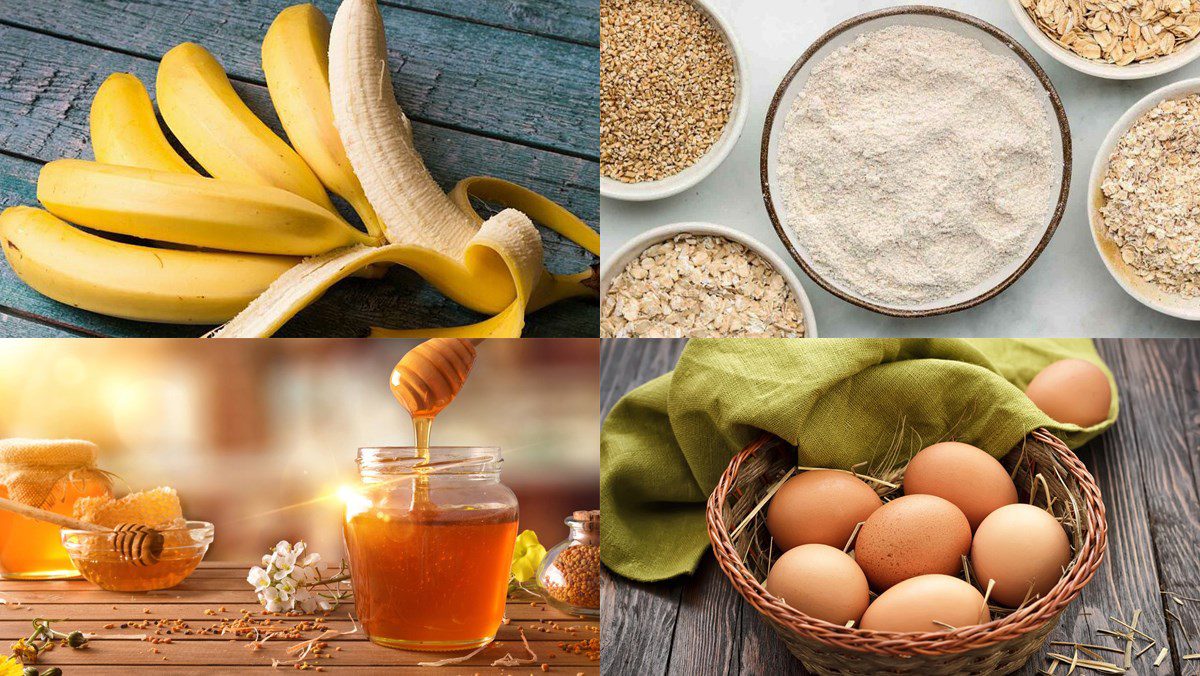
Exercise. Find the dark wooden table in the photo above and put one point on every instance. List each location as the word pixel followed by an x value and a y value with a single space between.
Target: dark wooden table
pixel 506 88
pixel 218 591
pixel 1148 468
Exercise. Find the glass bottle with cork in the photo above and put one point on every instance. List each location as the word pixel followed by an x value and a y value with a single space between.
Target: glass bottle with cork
pixel 570 573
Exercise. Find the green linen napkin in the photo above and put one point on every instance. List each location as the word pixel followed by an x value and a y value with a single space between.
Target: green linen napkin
pixel 664 445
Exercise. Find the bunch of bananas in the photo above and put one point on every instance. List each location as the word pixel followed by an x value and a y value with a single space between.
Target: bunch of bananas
pixel 232 242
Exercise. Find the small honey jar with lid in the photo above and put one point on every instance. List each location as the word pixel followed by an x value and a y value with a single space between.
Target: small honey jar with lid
pixel 570 573
pixel 51 475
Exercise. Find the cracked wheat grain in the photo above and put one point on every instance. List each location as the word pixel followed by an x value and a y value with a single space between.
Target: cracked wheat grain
pixel 667 86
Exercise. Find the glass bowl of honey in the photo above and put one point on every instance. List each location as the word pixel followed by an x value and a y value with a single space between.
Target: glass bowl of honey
pixel 95 556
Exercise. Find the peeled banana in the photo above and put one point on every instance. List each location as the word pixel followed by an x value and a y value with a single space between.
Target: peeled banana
pixel 194 210
pixel 213 123
pixel 378 139
pixel 125 130
pixel 295 59
pixel 130 281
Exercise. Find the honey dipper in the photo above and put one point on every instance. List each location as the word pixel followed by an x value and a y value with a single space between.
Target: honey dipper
pixel 133 542
pixel 430 375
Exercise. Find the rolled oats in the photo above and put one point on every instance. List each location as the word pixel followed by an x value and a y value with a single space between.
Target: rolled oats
pixel 1117 31
pixel 1152 196
pixel 700 286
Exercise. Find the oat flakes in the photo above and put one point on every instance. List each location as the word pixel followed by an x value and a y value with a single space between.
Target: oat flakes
pixel 1117 31
pixel 700 287
pixel 1152 205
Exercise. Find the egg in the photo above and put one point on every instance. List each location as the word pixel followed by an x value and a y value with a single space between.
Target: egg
pixel 1072 391
pixel 965 475
pixel 820 506
pixel 821 582
pixel 920 603
pixel 910 536
pixel 1024 549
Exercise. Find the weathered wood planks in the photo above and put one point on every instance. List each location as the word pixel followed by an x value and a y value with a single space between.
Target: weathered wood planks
pixel 563 19
pixel 464 75
pixel 218 591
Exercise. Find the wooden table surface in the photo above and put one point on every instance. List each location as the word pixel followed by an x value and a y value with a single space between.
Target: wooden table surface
pixel 506 88
pixel 80 605
pixel 1147 466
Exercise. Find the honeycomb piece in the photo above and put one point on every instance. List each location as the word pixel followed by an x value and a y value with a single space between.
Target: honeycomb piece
pixel 158 508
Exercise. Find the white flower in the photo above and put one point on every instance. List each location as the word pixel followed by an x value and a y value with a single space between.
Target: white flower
pixel 259 578
pixel 284 581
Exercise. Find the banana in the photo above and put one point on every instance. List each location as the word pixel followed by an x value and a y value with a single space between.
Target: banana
pixel 377 137
pixel 295 59
pixel 194 210
pixel 130 281
pixel 204 112
pixel 491 266
pixel 125 130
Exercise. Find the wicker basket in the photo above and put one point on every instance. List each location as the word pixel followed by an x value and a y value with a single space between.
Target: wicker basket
pixel 998 647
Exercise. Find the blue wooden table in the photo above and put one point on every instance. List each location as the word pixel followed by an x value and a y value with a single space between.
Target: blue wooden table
pixel 506 88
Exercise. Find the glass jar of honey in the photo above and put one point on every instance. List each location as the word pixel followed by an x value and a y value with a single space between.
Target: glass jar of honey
pixel 430 537
pixel 51 475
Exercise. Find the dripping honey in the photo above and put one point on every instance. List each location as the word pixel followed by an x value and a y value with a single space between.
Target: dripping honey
pixel 431 534
pixel 431 579
pixel 33 550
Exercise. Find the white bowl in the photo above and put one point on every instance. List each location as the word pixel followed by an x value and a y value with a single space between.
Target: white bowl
pixel 992 39
pixel 613 265
pixel 1144 292
pixel 1134 71
pixel 677 183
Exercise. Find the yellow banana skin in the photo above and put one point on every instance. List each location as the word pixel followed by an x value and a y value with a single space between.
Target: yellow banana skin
pixel 212 122
pixel 295 59
pixel 130 281
pixel 125 130
pixel 192 210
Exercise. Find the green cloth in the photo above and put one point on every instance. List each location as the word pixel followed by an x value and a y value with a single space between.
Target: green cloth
pixel 665 445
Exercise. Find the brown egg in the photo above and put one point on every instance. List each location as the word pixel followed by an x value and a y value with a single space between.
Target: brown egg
pixel 973 480
pixel 819 506
pixel 919 603
pixel 1072 391
pixel 820 581
pixel 1024 549
pixel 910 536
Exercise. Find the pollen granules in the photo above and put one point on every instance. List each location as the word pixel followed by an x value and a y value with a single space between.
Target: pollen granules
pixel 579 568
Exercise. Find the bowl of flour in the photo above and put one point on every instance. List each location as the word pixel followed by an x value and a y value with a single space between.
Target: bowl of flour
pixel 915 161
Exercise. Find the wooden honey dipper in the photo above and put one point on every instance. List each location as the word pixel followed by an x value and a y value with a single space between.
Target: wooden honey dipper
pixel 430 375
pixel 133 542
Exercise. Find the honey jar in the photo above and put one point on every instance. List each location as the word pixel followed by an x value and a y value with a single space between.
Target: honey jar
pixel 430 538
pixel 51 475
pixel 570 573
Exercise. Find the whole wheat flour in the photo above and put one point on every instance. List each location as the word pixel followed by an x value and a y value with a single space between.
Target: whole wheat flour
pixel 916 165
